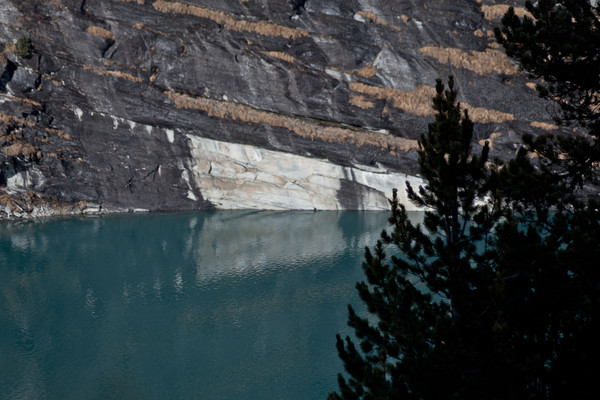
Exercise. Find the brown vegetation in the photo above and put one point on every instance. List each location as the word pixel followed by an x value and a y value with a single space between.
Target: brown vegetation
pixel 498 10
pixel 361 102
pixel 23 203
pixel 9 48
pixel 261 27
pixel 115 74
pixel 368 71
pixel 282 56
pixel 543 125
pixel 12 120
pixel 26 101
pixel 490 140
pixel 481 62
pixel 100 32
pixel 419 102
pixel 19 149
pixel 301 126
pixel 374 18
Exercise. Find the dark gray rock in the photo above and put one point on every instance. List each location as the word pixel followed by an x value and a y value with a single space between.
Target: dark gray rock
pixel 104 109
pixel 23 81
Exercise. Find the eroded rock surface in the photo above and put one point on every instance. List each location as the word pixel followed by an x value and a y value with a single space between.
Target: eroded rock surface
pixel 124 102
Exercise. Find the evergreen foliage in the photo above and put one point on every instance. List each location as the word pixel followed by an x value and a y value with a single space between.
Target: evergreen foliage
pixel 561 44
pixel 560 47
pixel 496 294
pixel 559 277
pixel 433 301
pixel 24 47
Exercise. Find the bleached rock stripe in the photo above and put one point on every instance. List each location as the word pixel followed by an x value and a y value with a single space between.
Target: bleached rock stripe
pixel 237 176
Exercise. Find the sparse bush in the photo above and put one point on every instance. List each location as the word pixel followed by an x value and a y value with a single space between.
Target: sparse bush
pixel 24 47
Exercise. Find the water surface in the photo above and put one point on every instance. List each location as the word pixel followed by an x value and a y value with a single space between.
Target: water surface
pixel 210 305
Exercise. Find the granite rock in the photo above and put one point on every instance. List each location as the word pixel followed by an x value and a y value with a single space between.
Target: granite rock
pixel 108 113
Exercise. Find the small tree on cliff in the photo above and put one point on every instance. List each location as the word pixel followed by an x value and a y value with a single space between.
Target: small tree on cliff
pixel 432 302
pixel 24 47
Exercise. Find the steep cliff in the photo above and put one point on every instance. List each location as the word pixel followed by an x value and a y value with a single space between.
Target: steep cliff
pixel 273 104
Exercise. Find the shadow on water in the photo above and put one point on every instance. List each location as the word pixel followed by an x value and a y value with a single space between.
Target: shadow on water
pixel 211 305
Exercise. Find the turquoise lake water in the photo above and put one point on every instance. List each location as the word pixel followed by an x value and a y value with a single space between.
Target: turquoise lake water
pixel 209 305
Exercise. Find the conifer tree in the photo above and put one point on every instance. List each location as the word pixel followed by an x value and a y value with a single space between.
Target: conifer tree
pixel 496 294
pixel 559 46
pixel 555 284
pixel 559 41
pixel 430 302
pixel 24 47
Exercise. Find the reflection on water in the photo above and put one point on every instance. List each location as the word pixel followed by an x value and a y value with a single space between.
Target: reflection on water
pixel 211 305
pixel 241 243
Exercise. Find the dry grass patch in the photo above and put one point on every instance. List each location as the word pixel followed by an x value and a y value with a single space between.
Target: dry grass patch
pixel 114 74
pixel 261 27
pixel 14 204
pixel 486 116
pixel 26 101
pixel 26 202
pixel 543 125
pixel 368 71
pixel 9 48
pixel 281 56
pixel 100 32
pixel 140 2
pixel 54 81
pixel 361 102
pixel 111 63
pixel 490 140
pixel 494 45
pixel 374 18
pixel 301 126
pixel 418 102
pixel 497 11
pixel 23 149
pixel 11 119
pixel 481 62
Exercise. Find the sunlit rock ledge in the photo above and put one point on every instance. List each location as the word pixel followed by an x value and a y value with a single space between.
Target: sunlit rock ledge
pixel 237 176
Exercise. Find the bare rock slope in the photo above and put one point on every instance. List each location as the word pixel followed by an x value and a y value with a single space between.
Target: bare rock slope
pixel 272 104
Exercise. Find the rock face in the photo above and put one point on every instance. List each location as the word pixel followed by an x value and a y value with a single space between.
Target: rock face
pixel 234 174
pixel 272 104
